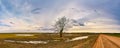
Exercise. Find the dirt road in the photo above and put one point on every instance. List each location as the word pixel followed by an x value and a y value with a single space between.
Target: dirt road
pixel 106 41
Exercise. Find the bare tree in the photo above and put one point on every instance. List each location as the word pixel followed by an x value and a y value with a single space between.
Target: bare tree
pixel 61 25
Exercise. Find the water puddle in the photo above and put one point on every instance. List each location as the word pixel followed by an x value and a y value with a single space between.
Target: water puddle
pixel 77 38
pixel 24 35
pixel 31 42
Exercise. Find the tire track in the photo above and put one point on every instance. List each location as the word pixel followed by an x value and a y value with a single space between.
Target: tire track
pixel 114 40
pixel 106 41
pixel 99 43
pixel 108 44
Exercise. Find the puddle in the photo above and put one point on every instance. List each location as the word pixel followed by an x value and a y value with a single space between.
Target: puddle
pixel 24 35
pixel 31 42
pixel 45 42
pixel 9 41
pixel 77 38
pixel 56 40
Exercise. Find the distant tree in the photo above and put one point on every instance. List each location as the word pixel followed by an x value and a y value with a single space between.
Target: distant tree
pixel 61 24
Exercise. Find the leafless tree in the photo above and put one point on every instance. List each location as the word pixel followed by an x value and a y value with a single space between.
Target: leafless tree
pixel 61 24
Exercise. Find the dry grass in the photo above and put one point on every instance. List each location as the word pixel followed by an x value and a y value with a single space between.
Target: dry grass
pixel 86 43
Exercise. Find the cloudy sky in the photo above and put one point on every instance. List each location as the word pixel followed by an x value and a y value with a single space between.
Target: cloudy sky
pixel 40 15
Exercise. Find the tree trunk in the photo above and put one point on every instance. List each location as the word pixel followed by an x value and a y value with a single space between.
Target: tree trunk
pixel 61 32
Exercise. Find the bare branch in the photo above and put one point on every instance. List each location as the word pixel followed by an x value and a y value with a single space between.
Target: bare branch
pixel 61 25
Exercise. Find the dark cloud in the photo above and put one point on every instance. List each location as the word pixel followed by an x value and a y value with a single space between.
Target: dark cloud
pixel 2 24
pixel 78 23
pixel 36 10
pixel 11 23
pixel 81 24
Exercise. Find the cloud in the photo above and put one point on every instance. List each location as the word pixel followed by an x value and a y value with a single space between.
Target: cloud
pixel 36 11
pixel 31 15
pixel 91 19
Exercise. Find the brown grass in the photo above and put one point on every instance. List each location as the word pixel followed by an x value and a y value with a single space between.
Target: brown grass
pixel 86 43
